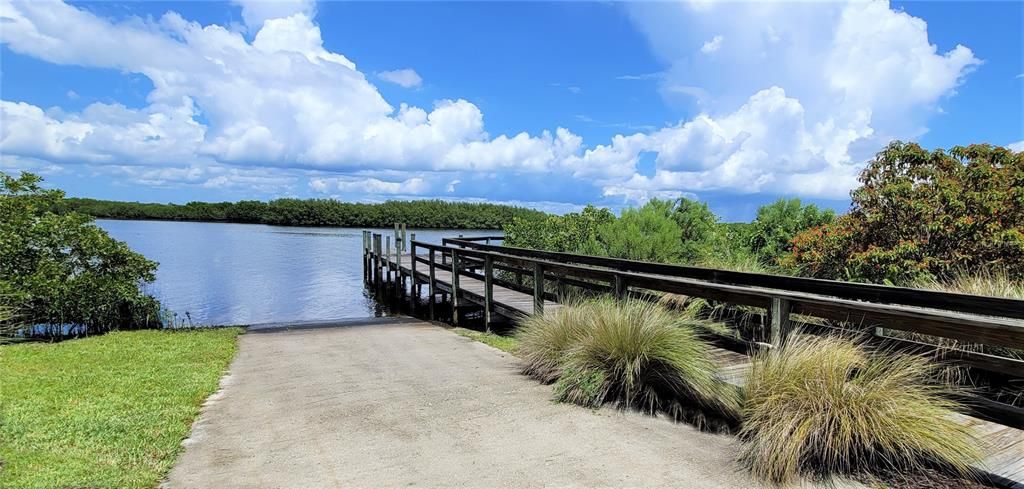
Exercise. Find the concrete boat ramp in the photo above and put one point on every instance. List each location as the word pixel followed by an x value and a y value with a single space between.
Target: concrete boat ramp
pixel 400 402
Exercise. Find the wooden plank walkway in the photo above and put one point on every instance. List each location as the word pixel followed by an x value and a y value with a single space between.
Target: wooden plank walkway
pixel 1003 445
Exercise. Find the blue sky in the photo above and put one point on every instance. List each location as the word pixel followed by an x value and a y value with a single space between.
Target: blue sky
pixel 551 105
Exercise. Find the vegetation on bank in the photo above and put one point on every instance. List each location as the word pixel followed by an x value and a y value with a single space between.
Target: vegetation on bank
pixel 104 411
pixel 62 273
pixel 918 215
pixel 315 212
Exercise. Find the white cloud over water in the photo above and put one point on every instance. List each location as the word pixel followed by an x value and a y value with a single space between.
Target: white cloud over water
pixel 788 98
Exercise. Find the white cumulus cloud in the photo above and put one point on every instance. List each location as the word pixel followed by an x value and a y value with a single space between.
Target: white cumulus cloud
pixel 713 45
pixel 406 77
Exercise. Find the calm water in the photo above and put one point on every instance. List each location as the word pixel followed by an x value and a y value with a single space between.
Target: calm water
pixel 250 274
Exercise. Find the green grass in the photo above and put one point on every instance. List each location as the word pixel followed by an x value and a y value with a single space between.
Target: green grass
pixel 105 411
pixel 822 406
pixel 503 343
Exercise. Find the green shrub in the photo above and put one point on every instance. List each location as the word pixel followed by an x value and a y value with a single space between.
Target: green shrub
pixel 62 271
pixel 570 233
pixel 823 406
pixel 698 225
pixel 648 233
pixel 778 222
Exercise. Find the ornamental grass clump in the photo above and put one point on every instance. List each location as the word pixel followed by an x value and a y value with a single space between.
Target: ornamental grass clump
pixel 639 355
pixel 544 339
pixel 824 406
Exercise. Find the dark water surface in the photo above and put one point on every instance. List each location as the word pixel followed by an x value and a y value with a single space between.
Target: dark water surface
pixel 249 273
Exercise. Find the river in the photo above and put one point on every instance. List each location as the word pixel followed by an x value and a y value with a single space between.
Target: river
pixel 222 273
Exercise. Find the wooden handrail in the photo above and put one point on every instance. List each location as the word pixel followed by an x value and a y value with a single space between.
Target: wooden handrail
pixel 950 301
pixel 958 316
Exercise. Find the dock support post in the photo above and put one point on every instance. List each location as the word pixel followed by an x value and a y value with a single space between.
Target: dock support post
pixel 538 288
pixel 387 263
pixel 376 264
pixel 431 284
pixel 781 326
pixel 366 257
pixel 488 291
pixel 455 288
pixel 620 287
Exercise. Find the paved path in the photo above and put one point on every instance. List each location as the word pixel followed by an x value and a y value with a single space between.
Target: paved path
pixel 405 403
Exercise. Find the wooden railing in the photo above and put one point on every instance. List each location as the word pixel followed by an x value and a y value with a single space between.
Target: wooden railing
pixel 971 319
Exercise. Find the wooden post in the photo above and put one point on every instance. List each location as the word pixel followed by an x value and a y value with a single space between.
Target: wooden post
pixel 519 277
pixel 376 263
pixel 455 288
pixel 387 260
pixel 538 288
pixel 620 287
pixel 413 294
pixel 366 260
pixel 781 326
pixel 488 290
pixel 431 284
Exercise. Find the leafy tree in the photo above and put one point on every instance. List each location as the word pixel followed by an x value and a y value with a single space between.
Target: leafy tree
pixel 571 233
pixel 315 212
pixel 649 233
pixel 777 223
pixel 920 213
pixel 697 224
pixel 62 271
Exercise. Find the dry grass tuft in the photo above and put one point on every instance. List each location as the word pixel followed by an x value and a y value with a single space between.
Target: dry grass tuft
pixel 824 406
pixel 991 283
pixel 543 339
pixel 633 354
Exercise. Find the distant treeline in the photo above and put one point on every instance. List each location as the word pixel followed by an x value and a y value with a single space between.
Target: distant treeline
pixel 315 212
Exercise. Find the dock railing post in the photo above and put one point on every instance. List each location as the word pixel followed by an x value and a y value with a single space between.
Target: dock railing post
pixel 538 288
pixel 387 262
pixel 455 288
pixel 781 326
pixel 405 247
pixel 488 290
pixel 620 287
pixel 413 294
pixel 430 284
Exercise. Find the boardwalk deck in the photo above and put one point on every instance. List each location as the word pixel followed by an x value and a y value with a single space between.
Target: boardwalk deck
pixel 1003 445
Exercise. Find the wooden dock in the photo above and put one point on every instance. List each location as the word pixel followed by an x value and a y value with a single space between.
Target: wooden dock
pixel 509 283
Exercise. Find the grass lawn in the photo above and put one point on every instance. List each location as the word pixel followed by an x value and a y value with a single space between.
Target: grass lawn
pixel 503 343
pixel 105 411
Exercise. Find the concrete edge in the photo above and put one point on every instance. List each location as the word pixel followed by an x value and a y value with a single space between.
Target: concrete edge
pixel 338 323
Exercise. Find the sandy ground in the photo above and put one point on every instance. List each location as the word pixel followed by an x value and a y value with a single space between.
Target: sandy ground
pixel 405 403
